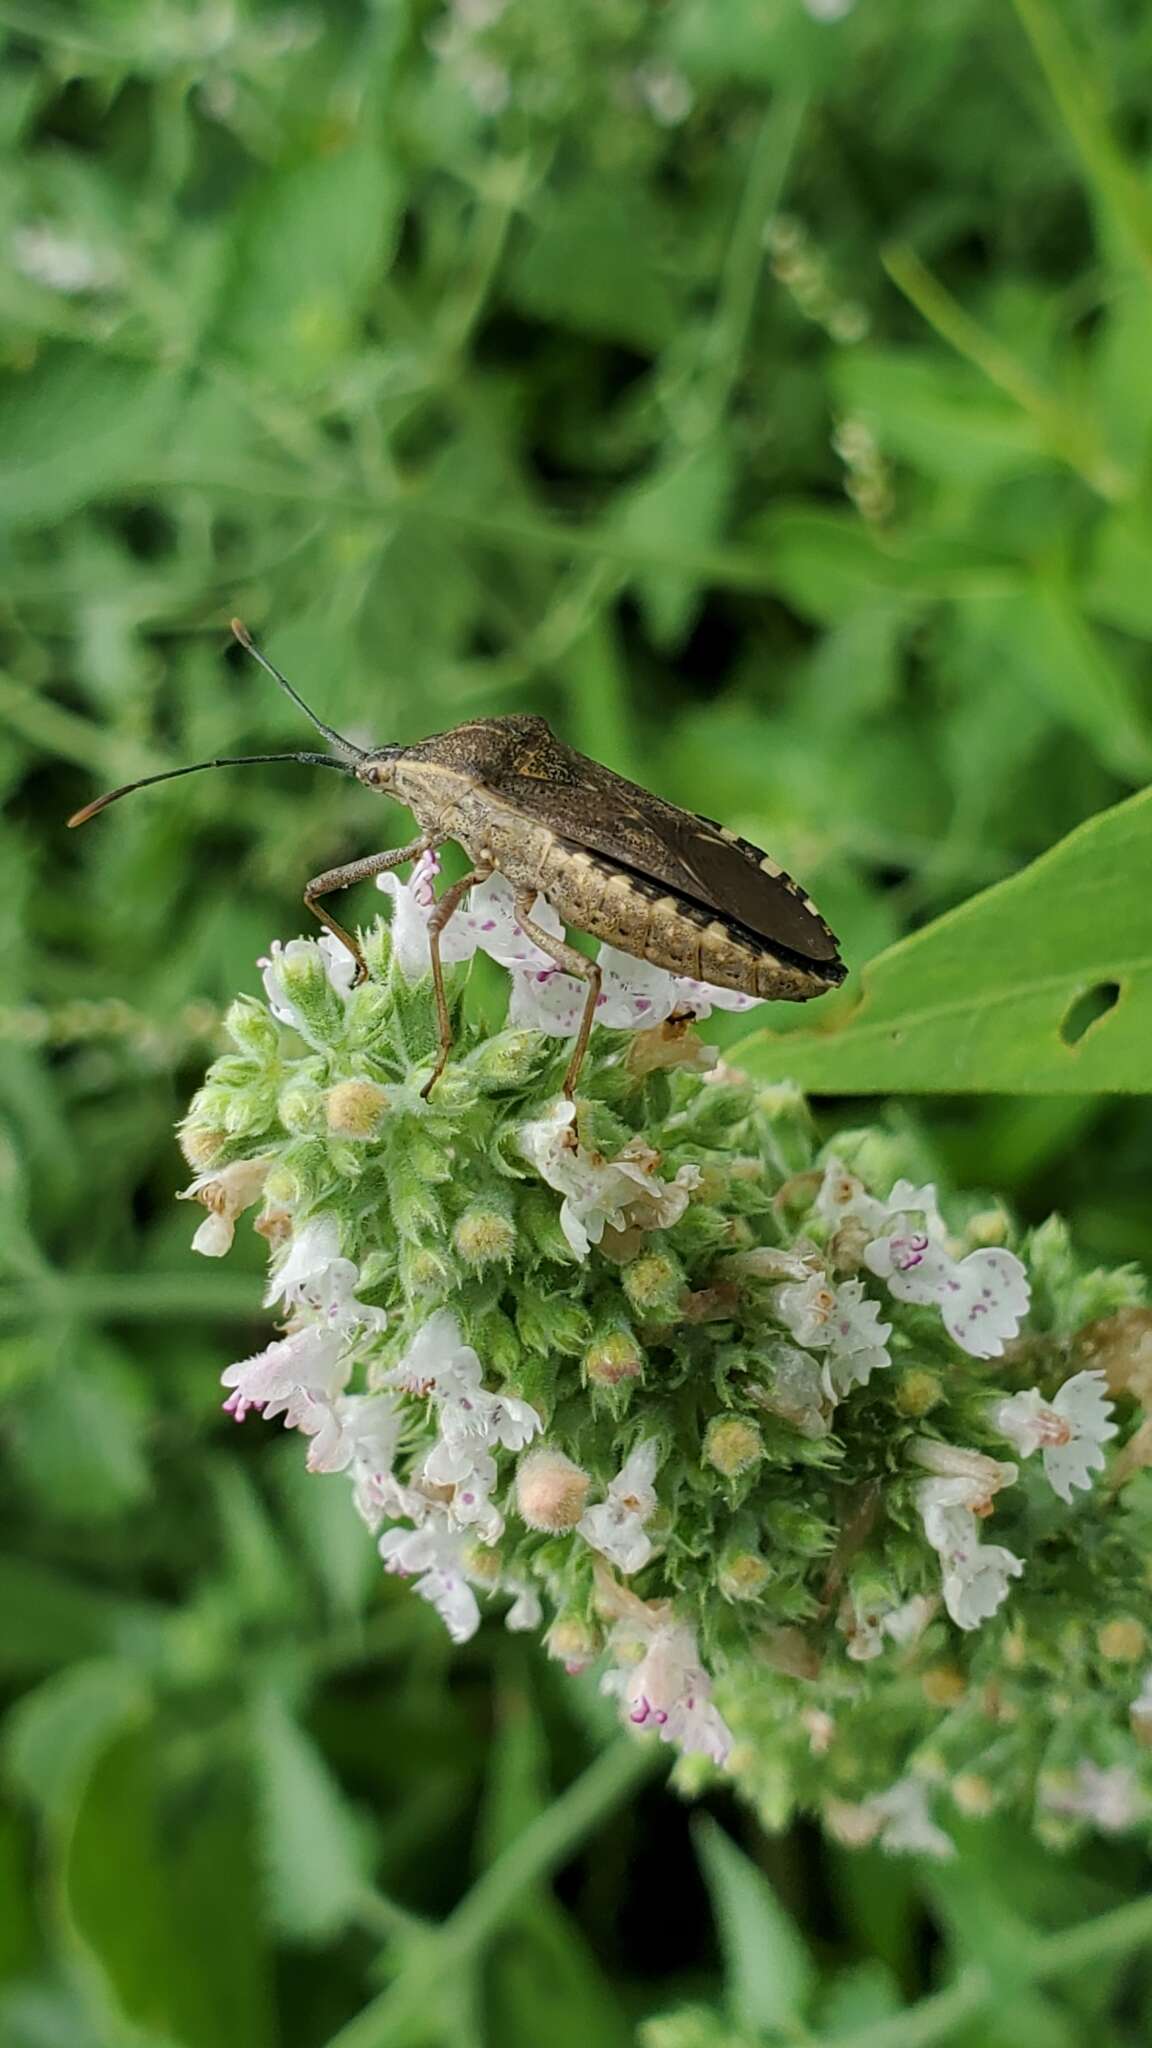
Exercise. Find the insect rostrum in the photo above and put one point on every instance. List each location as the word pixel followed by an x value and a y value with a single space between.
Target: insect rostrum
pixel 613 860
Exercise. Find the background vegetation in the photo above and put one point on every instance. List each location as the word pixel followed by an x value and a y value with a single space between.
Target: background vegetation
pixel 763 393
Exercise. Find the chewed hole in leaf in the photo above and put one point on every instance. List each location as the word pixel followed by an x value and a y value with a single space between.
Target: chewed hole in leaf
pixel 1087 1009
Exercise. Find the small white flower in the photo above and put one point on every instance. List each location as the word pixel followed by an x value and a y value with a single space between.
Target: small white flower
pixel 471 1473
pixel 669 1690
pixel 981 1298
pixel 615 1527
pixel 865 1627
pixel 844 1322
pixel 225 1191
pixel 906 1824
pixel 974 1576
pixel 298 1377
pixel 972 1480
pixel 1113 1799
pixel 858 1343
pixel 368 1428
pixel 62 262
pixel 1068 1431
pixel 602 1193
pixel 339 968
pixel 526 1612
pixel 438 1363
pixel 434 1558
pixel 806 1308
pixel 312 1275
pixel 1141 1708
pixel 413 902
pixel 438 1360
pixel 794 1390
pixel 844 1199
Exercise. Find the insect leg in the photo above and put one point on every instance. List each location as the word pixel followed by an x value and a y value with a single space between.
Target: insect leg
pixel 358 871
pixel 449 902
pixel 572 962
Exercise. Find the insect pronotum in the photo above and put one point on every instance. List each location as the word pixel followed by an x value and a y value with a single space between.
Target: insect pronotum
pixel 614 861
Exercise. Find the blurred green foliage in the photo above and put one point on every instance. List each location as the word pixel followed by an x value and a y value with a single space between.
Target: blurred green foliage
pixel 765 398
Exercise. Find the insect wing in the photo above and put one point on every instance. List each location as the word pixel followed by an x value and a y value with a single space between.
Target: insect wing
pixel 689 856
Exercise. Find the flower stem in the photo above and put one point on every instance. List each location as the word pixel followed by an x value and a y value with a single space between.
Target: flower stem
pixel 546 1844
pixel 1053 1955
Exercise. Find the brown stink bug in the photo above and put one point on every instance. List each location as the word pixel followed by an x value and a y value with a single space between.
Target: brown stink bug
pixel 614 861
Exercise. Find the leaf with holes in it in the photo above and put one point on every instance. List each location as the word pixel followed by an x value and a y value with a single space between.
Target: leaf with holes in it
pixel 1042 985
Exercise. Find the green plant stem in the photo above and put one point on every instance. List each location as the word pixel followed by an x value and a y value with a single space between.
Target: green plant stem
pixel 769 163
pixel 1068 436
pixel 1119 191
pixel 1052 1956
pixel 136 1297
pixel 545 1845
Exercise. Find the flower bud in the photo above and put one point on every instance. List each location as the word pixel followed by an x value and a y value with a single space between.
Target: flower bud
pixel 483 1563
pixel 424 1269
pixel 973 1795
pixel 654 1284
pixel 987 1227
pixel 282 1189
pixel 300 1109
pixel 376 946
pixel 1120 1345
pixel 573 1642
pixel 943 1685
pixel 251 1029
pixel 355 1109
pixel 485 1235
pixel 509 1060
pixel 245 1112
pixel 202 1145
pixel 551 1324
pixel 732 1445
pixel 1122 1641
pixel 613 1358
pixel 305 982
pixel 918 1392
pixel 551 1491
pixel 743 1575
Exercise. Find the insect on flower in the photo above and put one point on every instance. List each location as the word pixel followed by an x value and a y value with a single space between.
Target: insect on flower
pixel 657 882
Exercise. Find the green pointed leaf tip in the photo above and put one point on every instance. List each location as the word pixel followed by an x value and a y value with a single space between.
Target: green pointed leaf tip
pixel 987 997
pixel 768 1972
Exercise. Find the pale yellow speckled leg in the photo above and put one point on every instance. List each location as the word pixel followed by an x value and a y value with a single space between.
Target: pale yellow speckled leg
pixel 450 901
pixel 572 962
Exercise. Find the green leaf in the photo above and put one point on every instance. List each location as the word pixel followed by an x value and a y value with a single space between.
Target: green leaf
pixel 77 426
pixel 1047 647
pixel 769 1974
pixel 47 1619
pixel 162 1891
pixel 992 995
pixel 680 506
pixel 938 414
pixel 313 1848
pixel 594 264
pixel 54 1735
pixel 313 242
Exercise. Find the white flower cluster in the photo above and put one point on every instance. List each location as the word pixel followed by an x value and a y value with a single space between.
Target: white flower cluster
pixel 692 1274
pixel 633 994
pixel 445 1505
pixel 981 1298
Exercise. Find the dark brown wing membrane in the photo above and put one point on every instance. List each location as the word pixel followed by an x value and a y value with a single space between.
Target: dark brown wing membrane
pixel 688 855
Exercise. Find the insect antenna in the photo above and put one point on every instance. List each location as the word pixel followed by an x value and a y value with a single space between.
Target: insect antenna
pixel 112 796
pixel 249 645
